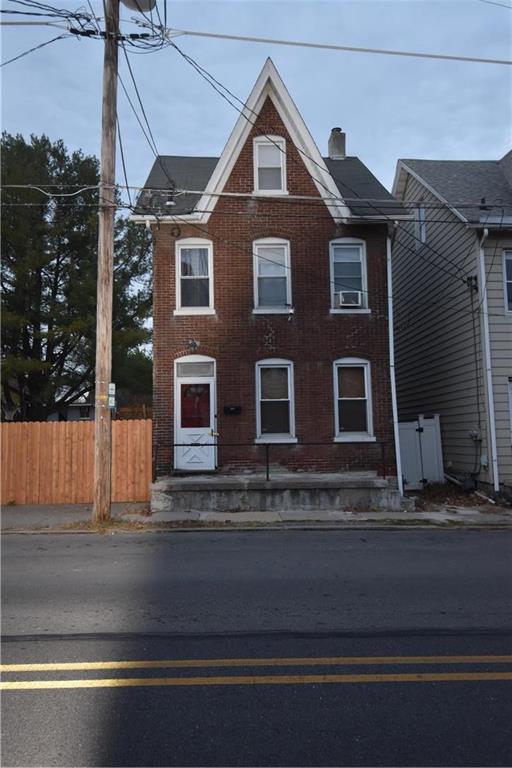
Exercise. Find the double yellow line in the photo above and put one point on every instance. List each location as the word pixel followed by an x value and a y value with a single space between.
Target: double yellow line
pixel 297 679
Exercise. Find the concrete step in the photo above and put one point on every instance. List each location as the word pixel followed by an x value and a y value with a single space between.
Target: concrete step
pixel 297 492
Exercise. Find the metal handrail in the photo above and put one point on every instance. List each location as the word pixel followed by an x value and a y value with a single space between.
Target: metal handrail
pixel 217 444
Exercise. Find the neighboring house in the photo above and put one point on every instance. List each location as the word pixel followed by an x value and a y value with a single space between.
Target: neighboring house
pixel 452 278
pixel 81 410
pixel 270 301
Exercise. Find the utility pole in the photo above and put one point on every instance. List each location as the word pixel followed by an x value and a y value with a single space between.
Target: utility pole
pixel 102 420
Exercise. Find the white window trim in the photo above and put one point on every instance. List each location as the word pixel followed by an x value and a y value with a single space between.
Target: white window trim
pixel 506 255
pixel 187 379
pixel 272 141
pixel 266 241
pixel 276 437
pixel 349 241
pixel 510 405
pixel 194 242
pixel 353 437
pixel 350 311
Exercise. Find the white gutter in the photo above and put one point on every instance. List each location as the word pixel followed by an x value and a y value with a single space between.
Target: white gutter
pixel 392 370
pixel 488 365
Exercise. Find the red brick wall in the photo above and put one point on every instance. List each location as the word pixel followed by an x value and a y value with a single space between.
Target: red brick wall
pixel 311 338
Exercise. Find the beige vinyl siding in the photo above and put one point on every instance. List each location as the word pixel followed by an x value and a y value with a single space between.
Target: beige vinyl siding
pixel 437 330
pixel 500 333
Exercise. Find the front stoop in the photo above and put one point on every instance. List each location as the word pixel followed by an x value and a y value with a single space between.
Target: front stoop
pixel 284 492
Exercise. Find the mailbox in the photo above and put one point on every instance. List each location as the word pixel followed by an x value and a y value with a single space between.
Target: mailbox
pixel 232 410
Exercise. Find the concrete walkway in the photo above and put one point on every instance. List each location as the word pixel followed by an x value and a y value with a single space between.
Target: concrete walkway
pixel 78 516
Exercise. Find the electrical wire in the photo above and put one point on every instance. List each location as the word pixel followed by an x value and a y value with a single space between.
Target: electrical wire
pixel 493 2
pixel 324 46
pixel 250 195
pixel 35 48
pixel 123 160
pixel 214 83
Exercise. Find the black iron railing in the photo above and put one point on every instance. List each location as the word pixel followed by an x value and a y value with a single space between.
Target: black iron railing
pixel 381 450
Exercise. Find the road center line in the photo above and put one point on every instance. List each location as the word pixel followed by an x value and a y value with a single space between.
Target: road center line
pixel 133 682
pixel 257 662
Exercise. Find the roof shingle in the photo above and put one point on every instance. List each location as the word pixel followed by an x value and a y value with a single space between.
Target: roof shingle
pixel 352 178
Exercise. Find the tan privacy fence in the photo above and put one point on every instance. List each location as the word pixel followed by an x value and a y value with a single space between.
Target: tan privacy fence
pixel 52 462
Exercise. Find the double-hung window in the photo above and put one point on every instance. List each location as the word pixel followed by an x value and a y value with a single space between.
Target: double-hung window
pixel 269 153
pixel 275 420
pixel 507 280
pixel 272 276
pixel 349 289
pixel 352 400
pixel 194 277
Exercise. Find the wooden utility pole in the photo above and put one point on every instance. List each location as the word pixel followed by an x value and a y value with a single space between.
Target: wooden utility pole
pixel 102 423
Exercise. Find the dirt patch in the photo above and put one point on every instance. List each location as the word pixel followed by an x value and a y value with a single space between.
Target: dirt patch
pixel 448 495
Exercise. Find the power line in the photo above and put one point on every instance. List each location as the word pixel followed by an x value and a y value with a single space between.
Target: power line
pixel 156 210
pixel 324 46
pixel 493 2
pixel 149 138
pixel 250 195
pixel 216 85
pixel 122 159
pixel 35 48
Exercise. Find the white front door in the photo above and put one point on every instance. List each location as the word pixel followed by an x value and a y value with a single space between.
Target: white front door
pixel 195 423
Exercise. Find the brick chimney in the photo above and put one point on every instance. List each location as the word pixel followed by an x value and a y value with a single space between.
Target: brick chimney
pixel 337 144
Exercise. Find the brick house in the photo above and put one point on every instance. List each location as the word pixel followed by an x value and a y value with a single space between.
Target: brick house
pixel 271 307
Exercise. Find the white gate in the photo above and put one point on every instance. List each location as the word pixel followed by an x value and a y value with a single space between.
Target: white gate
pixel 421 452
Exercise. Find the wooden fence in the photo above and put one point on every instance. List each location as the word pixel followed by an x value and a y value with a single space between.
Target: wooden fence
pixel 52 462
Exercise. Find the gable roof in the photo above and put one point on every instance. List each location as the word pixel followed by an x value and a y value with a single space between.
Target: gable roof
pixel 352 178
pixel 487 184
pixel 209 175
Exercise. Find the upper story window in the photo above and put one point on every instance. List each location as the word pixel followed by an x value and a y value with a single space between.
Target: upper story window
pixel 420 226
pixel 269 153
pixel 275 421
pixel 507 278
pixel 194 277
pixel 349 289
pixel 272 276
pixel 352 400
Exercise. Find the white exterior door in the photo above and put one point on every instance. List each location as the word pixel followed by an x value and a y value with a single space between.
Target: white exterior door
pixel 194 417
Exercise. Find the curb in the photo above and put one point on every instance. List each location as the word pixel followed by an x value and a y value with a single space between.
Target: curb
pixel 285 526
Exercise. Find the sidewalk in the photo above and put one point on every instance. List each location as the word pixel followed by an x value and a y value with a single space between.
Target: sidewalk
pixel 130 516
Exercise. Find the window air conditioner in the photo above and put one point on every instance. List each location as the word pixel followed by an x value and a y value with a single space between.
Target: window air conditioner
pixel 350 298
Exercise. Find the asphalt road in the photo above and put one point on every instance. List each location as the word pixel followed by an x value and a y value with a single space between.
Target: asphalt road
pixel 264 648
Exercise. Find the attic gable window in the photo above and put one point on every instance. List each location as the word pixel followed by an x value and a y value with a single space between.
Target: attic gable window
pixel 269 154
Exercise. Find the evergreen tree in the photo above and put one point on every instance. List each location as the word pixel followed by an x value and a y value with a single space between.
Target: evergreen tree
pixel 49 255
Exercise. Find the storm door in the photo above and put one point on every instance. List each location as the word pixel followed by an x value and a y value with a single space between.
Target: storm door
pixel 195 414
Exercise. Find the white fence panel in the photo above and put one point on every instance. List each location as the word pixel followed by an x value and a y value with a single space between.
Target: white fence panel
pixel 421 452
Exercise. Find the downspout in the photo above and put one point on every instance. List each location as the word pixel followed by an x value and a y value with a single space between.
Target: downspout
pixel 488 365
pixel 392 366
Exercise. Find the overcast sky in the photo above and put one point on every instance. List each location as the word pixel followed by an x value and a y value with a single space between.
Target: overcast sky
pixel 390 107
